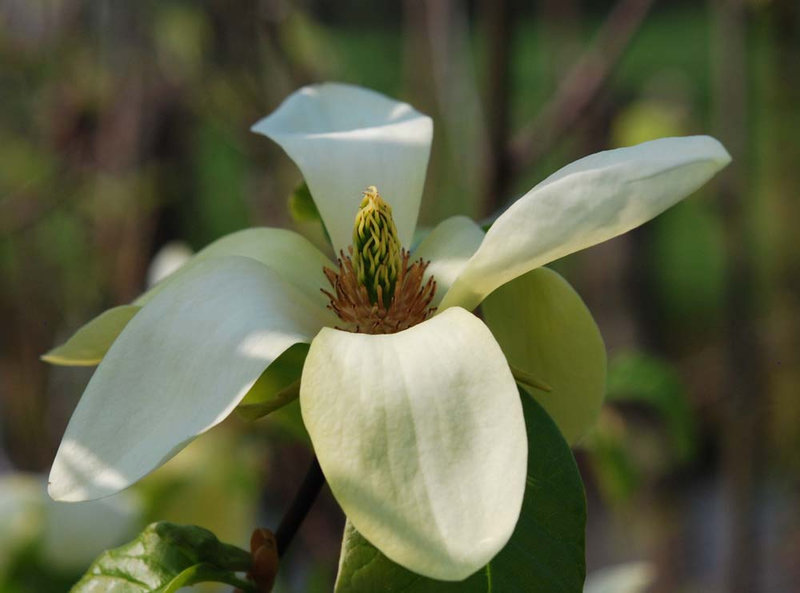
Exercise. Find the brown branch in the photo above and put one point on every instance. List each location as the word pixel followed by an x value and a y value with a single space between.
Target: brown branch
pixel 302 503
pixel 582 84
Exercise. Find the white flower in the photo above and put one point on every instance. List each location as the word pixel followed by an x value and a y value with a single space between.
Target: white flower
pixel 419 433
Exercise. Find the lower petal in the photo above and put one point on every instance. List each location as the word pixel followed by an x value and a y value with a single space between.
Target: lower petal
pixel 546 331
pixel 421 437
pixel 178 368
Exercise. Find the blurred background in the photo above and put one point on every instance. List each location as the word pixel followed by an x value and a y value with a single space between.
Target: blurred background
pixel 124 129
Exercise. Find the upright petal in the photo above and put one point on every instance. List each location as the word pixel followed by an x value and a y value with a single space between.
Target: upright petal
pixel 178 368
pixel 288 254
pixel 592 200
pixel 421 437
pixel 545 330
pixel 448 248
pixel 345 138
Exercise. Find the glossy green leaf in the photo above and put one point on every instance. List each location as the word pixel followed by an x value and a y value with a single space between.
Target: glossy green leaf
pixel 164 558
pixel 546 331
pixel 545 553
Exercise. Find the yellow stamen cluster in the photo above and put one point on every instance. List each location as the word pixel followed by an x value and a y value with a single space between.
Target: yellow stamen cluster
pixel 376 247
pixel 377 289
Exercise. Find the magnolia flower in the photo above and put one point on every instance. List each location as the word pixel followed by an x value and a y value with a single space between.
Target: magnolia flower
pixel 407 396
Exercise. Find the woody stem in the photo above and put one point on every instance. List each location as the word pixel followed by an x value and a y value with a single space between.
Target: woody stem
pixel 302 503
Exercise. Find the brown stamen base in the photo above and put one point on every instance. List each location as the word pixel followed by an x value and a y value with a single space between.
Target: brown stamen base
pixel 409 305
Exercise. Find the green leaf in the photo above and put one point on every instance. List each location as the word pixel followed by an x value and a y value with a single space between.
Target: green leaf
pixel 164 558
pixel 547 332
pixel 545 552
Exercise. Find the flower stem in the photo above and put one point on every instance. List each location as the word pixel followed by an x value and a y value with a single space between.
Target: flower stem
pixel 303 500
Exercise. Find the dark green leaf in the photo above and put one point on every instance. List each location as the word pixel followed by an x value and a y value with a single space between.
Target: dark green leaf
pixel 164 558
pixel 545 553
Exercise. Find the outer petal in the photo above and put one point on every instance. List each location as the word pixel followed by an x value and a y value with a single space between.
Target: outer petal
pixel 545 330
pixel 421 437
pixel 591 200
pixel 288 254
pixel 448 247
pixel 179 367
pixel 345 138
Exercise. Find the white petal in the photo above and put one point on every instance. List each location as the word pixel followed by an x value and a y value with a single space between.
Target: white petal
pixel 178 368
pixel 293 257
pixel 448 247
pixel 545 330
pixel 288 254
pixel 345 138
pixel 421 437
pixel 590 201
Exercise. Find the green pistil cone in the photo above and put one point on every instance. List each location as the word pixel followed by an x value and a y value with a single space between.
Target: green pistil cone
pixel 376 248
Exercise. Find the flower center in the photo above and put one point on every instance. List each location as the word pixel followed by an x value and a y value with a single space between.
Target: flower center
pixel 377 289
pixel 376 256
